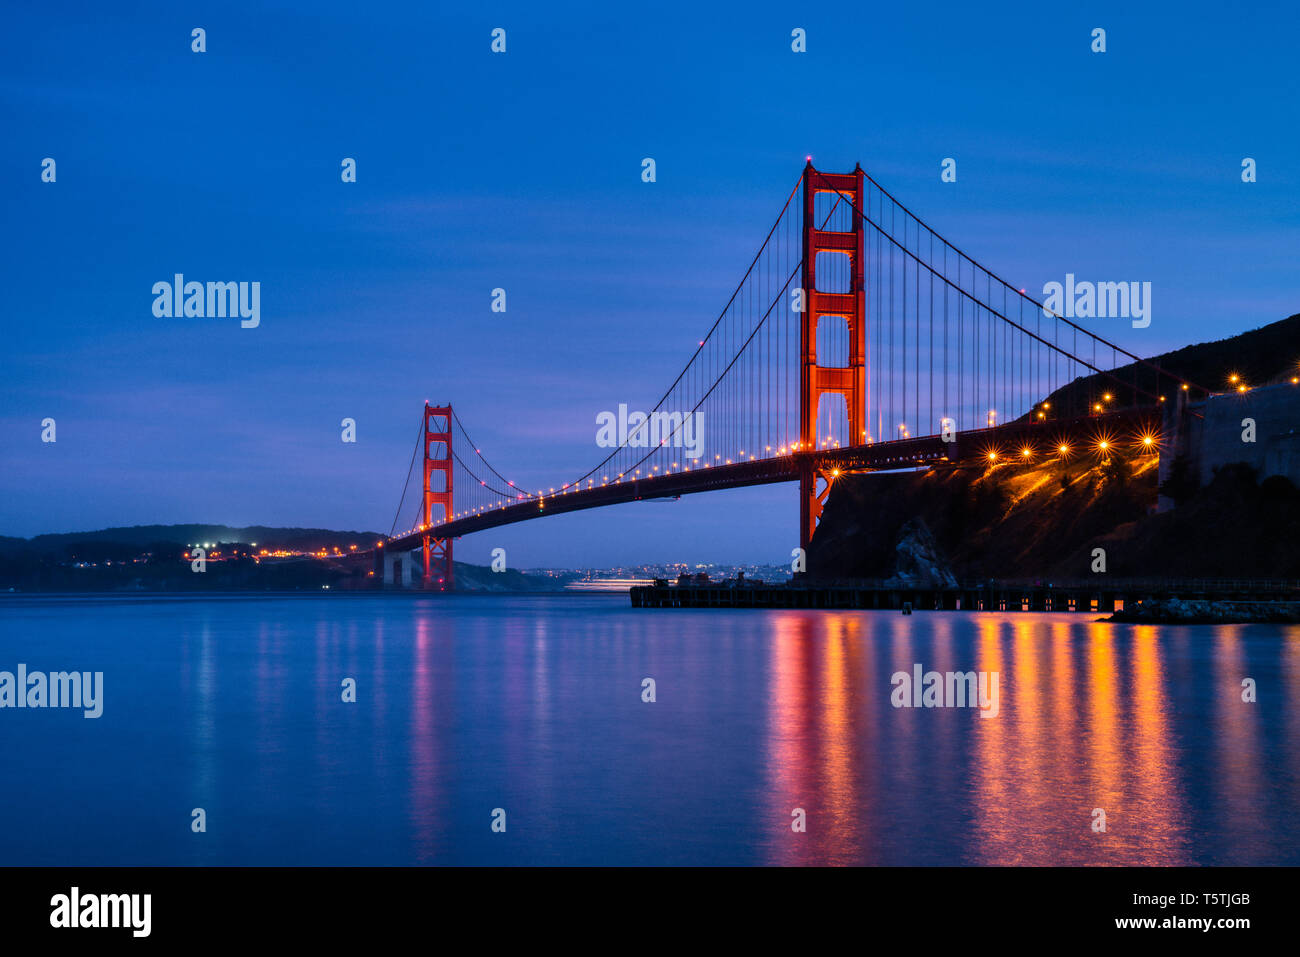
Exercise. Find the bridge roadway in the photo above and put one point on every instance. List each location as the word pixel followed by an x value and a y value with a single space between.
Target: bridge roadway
pixel 1121 426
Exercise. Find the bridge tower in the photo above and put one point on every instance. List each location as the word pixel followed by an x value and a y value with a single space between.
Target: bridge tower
pixel 816 380
pixel 437 458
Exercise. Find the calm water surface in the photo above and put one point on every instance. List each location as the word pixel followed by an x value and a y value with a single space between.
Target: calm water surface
pixel 533 705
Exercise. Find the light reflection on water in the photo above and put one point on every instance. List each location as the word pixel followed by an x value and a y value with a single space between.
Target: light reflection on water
pixel 533 705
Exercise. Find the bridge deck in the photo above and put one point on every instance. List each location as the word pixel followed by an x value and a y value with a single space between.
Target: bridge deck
pixel 880 456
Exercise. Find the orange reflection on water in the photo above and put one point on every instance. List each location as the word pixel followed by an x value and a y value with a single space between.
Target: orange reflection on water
pixel 815 736
pixel 1291 700
pixel 1102 788
pixel 1236 747
pixel 1083 722
pixel 840 642
pixel 425 795
pixel 1153 826
pixel 997 768
pixel 1099 740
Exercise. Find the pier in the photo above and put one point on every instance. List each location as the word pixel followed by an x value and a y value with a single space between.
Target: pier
pixel 1087 597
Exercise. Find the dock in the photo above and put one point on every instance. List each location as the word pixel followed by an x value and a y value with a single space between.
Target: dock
pixel 1090 597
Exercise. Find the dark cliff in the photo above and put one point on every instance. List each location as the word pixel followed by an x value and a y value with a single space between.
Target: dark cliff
pixel 1017 521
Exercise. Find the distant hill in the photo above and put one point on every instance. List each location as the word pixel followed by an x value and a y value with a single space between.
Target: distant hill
pixel 152 558
pixel 141 536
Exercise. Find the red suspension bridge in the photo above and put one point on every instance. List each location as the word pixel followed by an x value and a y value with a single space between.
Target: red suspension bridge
pixel 858 339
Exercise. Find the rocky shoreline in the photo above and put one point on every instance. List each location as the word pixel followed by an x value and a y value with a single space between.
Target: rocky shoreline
pixel 1175 611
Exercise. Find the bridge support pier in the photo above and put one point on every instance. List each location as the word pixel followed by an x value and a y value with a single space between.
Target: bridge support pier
pixel 401 569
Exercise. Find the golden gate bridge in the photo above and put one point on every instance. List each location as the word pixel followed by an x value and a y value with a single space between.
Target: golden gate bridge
pixel 858 339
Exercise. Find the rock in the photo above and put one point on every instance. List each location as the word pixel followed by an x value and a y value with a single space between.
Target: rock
pixel 1175 611
pixel 917 560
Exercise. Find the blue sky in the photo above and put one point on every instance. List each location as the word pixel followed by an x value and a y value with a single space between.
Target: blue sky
pixel 522 170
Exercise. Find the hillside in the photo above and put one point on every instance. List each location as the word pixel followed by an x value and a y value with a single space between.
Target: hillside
pixel 1012 521
pixel 1261 356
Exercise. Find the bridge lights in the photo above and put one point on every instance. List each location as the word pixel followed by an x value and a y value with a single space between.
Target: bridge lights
pixel 1241 388
pixel 1096 407
pixel 1042 415
pixel 1106 397
pixel 1063 449
pixel 993 456
pixel 1027 453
